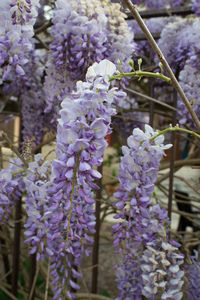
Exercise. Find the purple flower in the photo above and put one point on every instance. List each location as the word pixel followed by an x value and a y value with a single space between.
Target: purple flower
pixel 84 33
pixel 196 7
pixel 85 118
pixel 192 277
pixel 37 205
pixel 141 233
pixel 24 12
pixel 11 187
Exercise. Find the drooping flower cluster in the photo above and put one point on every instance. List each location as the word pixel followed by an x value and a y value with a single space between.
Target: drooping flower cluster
pixel 11 187
pixel 77 43
pixel 24 11
pixel 180 44
pixel 85 118
pixel 176 52
pixel 84 32
pixel 15 37
pixel 118 35
pixel 37 181
pixel 155 25
pixel 161 272
pixel 35 121
pixel 190 81
pixel 84 123
pixel 141 234
pixel 179 41
pixel 158 4
pixel 196 7
pixel 192 278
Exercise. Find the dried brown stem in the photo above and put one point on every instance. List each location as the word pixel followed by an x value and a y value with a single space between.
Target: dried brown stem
pixel 43 27
pixel 48 141
pixel 181 163
pixel 190 185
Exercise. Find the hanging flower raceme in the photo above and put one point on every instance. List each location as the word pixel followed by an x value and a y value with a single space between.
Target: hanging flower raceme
pixel 37 181
pixel 16 36
pixel 85 118
pixel 35 121
pixel 158 4
pixel 196 7
pixel 120 45
pixel 186 32
pixel 24 12
pixel 11 187
pixel 192 277
pixel 143 228
pixel 84 32
pixel 78 41
pixel 13 50
pixel 190 82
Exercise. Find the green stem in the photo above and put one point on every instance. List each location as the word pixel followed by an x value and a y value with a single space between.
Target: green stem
pixel 141 74
pixel 72 195
pixel 175 129
pixel 19 172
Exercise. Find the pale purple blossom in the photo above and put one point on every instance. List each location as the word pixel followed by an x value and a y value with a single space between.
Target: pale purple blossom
pixel 11 188
pixel 142 227
pixel 85 118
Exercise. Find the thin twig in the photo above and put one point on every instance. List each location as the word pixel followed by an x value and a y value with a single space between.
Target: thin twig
pixel 48 141
pixel 180 163
pixel 85 284
pixel 34 282
pixel 5 275
pixel 186 182
pixel 174 81
pixel 42 42
pixel 92 296
pixel 47 282
pixel 13 148
pixel 8 293
pixel 43 27
pixel 151 99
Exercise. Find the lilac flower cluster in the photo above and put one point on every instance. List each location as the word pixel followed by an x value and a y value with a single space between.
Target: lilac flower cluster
pixel 63 209
pixel 176 52
pixel 142 233
pixel 180 44
pixel 179 41
pixel 118 35
pixel 24 12
pixel 13 50
pixel 35 121
pixel 72 47
pixel 190 81
pixel 192 278
pixel 15 39
pixel 37 181
pixel 155 25
pixel 158 4
pixel 196 7
pixel 78 41
pixel 161 272
pixel 84 32
pixel 84 123
pixel 11 187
